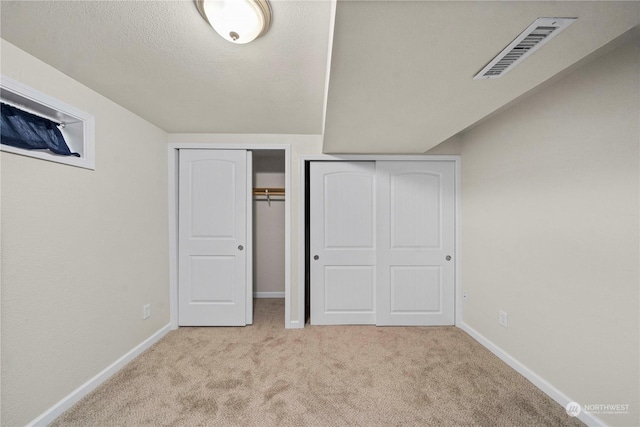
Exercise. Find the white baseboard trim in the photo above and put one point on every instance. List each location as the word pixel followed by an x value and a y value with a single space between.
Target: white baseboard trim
pixel 56 410
pixel 294 324
pixel 268 294
pixel 542 384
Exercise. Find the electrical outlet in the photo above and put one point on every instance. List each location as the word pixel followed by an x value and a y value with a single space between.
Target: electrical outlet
pixel 146 311
pixel 502 318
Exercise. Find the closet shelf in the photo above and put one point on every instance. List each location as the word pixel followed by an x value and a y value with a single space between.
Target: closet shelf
pixel 268 192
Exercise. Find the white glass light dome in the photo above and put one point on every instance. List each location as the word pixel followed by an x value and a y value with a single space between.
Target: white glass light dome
pixel 238 21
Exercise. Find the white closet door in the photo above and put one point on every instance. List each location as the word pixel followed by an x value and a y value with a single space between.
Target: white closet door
pixel 416 214
pixel 213 252
pixel 343 239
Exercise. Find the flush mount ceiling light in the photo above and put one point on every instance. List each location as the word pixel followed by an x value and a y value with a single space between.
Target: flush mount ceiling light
pixel 239 21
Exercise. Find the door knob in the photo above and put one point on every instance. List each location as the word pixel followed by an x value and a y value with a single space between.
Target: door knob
pixel 316 257
pixel 448 258
pixel 240 247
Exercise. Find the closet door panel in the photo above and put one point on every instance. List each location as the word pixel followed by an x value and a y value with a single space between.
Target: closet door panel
pixel 214 248
pixel 203 268
pixel 414 289
pixel 349 288
pixel 343 237
pixel 415 213
pixel 348 210
pixel 410 207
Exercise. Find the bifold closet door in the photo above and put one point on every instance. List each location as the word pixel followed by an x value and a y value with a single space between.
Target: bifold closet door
pixel 214 249
pixel 343 238
pixel 415 245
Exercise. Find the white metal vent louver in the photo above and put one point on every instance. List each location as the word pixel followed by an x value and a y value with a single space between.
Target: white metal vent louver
pixel 537 34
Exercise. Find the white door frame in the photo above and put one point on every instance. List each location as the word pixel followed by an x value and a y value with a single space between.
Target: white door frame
pixel 355 157
pixel 173 164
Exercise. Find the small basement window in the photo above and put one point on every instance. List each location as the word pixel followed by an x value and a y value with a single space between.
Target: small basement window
pixel 76 127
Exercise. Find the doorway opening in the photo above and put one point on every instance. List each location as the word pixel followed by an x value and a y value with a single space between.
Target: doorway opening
pixel 269 197
pixel 270 169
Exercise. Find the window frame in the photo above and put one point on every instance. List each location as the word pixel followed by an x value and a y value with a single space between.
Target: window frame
pixel 79 129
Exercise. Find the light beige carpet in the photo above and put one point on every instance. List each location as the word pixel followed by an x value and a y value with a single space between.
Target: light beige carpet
pixel 264 375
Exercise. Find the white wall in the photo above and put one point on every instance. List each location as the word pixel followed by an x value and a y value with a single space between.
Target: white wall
pixel 82 250
pixel 550 232
pixel 452 145
pixel 269 223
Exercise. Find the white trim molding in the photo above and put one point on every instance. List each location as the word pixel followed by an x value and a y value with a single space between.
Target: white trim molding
pixel 458 240
pixel 56 410
pixel 548 389
pixel 268 294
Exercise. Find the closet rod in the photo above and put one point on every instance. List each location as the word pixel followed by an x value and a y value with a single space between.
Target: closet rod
pixel 268 191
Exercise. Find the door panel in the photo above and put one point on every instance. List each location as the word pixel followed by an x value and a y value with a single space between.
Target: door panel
pixel 349 288
pixel 203 268
pixel 343 236
pixel 212 234
pixel 348 209
pixel 213 207
pixel 415 282
pixel 415 289
pixel 415 197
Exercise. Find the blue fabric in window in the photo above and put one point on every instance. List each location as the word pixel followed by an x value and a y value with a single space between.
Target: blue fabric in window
pixel 25 130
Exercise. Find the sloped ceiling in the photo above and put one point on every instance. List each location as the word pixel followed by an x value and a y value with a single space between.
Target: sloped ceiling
pixel 402 72
pixel 400 75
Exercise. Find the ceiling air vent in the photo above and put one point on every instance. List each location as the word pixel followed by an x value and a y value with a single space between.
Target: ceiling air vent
pixel 541 31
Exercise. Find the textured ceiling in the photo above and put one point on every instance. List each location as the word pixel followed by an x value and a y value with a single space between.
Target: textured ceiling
pixel 162 61
pixel 400 76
